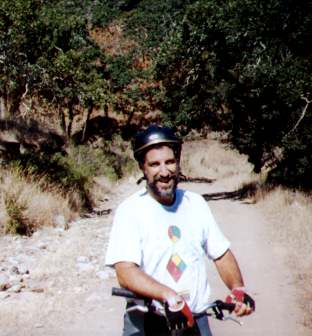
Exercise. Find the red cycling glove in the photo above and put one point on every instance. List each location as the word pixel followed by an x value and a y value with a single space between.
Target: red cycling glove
pixel 239 295
pixel 178 314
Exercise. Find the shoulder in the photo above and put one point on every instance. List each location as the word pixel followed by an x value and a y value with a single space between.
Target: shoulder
pixel 194 201
pixel 132 201
pixel 191 196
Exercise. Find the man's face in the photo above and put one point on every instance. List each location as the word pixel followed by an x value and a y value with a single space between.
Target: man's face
pixel 161 170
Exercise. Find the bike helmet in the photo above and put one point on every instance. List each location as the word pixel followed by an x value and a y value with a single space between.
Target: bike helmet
pixel 154 135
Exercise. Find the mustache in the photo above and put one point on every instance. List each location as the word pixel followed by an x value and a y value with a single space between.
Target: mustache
pixel 179 177
pixel 166 179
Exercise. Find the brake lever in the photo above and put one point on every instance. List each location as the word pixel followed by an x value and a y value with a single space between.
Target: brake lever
pixel 140 308
pixel 231 318
pixel 218 312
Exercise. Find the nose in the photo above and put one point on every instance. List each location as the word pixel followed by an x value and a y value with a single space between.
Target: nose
pixel 164 171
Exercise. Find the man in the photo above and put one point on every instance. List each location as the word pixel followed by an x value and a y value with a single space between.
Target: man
pixel 159 242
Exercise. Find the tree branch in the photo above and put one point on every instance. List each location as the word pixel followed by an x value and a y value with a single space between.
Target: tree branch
pixel 302 115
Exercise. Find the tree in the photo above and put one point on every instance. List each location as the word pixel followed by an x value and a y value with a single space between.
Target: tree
pixel 243 66
pixel 46 53
pixel 18 71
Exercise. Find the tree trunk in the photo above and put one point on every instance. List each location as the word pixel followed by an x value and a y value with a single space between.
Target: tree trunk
pixel 90 109
pixel 4 113
pixel 70 119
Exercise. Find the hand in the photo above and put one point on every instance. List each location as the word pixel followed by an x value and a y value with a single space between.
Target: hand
pixel 244 304
pixel 178 314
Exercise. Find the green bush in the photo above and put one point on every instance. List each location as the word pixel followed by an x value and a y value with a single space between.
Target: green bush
pixel 152 20
pixel 76 170
pixel 17 223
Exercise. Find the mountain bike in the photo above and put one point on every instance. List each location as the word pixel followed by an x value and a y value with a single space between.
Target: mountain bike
pixel 218 309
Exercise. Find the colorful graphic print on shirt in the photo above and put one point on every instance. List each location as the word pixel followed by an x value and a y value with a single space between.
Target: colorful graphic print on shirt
pixel 176 266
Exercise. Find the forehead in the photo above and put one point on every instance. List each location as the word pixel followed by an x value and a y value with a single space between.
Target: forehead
pixel 159 152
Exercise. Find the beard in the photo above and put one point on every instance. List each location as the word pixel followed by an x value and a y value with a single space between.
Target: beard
pixel 165 194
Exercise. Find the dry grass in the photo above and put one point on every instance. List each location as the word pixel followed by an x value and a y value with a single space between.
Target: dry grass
pixel 27 204
pixel 211 159
pixel 291 214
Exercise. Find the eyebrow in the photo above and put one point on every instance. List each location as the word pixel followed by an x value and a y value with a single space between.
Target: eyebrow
pixel 166 161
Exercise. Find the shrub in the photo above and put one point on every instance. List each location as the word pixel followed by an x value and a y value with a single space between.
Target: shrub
pixel 17 223
pixel 73 174
pixel 28 202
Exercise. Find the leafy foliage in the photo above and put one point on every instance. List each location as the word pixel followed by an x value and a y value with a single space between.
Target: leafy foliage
pixel 243 66
pixel 46 51
pixel 152 20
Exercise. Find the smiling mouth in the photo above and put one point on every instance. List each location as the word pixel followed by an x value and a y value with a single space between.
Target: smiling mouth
pixel 165 185
pixel 165 182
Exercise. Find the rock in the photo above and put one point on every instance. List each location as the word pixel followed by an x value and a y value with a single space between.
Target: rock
pixel 15 279
pixel 94 298
pixel 23 269
pixel 37 290
pixel 4 295
pixel 26 276
pixel 85 267
pixel 83 260
pixel 16 288
pixel 59 220
pixel 42 245
pixel 38 325
pixel 13 261
pixel 36 234
pixel 85 264
pixel 103 275
pixel 60 230
pixel 4 282
pixel 14 270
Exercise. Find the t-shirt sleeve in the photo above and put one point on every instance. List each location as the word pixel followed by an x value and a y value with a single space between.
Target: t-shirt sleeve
pixel 216 242
pixel 124 242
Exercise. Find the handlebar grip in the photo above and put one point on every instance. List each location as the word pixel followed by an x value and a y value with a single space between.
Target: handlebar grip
pixel 124 293
pixel 225 305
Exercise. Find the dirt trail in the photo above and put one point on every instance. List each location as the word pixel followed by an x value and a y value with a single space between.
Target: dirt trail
pixel 267 277
pixel 66 288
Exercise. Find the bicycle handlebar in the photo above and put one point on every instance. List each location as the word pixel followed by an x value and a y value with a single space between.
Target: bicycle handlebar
pixel 125 293
pixel 215 309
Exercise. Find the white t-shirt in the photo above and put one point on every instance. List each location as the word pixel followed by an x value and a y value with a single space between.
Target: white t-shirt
pixel 170 243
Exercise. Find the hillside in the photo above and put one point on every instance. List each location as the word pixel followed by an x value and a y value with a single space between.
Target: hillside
pixel 92 69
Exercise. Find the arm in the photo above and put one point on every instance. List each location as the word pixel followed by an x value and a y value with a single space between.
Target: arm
pixel 229 271
pixel 131 277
